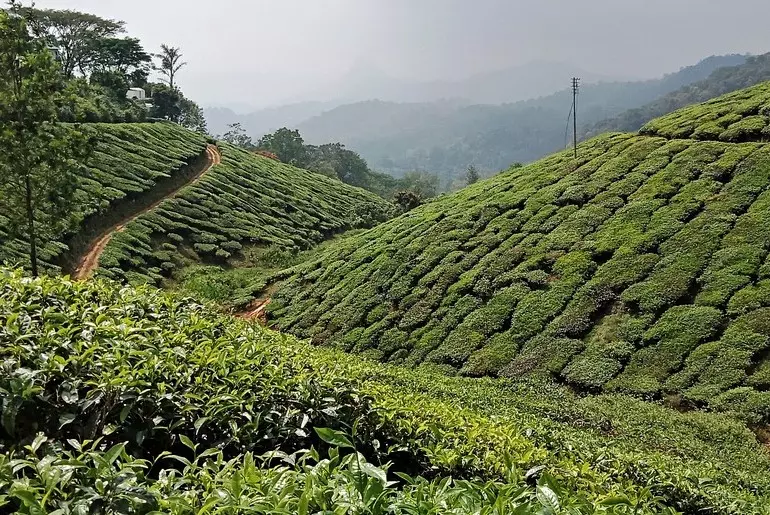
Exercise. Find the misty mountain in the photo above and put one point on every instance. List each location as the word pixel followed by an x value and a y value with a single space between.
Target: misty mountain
pixel 266 120
pixel 366 82
pixel 445 137
pixel 722 81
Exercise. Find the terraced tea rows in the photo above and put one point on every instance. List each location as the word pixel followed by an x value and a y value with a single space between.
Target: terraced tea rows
pixel 129 160
pixel 642 267
pixel 247 200
pixel 740 116
pixel 134 401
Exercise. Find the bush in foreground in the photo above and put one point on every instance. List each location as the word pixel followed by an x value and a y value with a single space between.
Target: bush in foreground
pixel 131 400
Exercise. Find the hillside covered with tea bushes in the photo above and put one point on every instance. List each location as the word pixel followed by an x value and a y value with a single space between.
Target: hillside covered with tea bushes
pixel 725 79
pixel 736 117
pixel 248 201
pixel 123 400
pixel 641 268
pixel 129 161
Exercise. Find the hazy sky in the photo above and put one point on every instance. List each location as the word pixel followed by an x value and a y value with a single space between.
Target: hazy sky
pixel 261 52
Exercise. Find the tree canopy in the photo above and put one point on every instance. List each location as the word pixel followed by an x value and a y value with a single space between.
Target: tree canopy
pixel 170 63
pixel 171 104
pixel 76 35
pixel 40 157
pixel 237 136
pixel 288 145
pixel 472 175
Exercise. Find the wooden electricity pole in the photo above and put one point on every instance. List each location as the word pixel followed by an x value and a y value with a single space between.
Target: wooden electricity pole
pixel 575 89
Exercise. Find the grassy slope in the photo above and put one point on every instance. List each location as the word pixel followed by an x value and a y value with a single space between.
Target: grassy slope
pixel 246 201
pixel 150 374
pixel 639 268
pixel 128 161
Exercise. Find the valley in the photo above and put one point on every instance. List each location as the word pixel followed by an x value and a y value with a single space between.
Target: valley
pixel 194 323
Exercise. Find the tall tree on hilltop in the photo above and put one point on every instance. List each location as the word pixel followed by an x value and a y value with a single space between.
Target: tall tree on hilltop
pixel 171 104
pixel 236 135
pixel 120 63
pixel 76 35
pixel 170 63
pixel 40 157
pixel 288 145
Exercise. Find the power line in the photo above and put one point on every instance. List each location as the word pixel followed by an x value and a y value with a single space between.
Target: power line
pixel 575 90
pixel 566 126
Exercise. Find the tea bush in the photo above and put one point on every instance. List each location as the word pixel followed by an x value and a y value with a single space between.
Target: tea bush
pixel 128 160
pixel 545 270
pixel 115 399
pixel 246 201
pixel 740 116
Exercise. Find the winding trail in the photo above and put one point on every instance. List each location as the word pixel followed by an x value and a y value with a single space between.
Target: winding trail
pixel 257 310
pixel 89 262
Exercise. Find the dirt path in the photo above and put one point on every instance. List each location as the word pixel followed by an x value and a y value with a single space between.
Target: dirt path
pixel 257 310
pixel 90 261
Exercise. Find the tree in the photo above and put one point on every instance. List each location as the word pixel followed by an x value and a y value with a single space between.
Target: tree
pixel 171 104
pixel 236 135
pixel 191 116
pixel 407 200
pixel 472 175
pixel 334 160
pixel 40 158
pixel 165 102
pixel 288 145
pixel 76 35
pixel 423 183
pixel 170 63
pixel 114 83
pixel 121 60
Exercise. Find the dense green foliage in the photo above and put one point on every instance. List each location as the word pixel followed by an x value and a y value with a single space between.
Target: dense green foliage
pixel 91 103
pixel 246 201
pixel 122 400
pixel 640 267
pixel 445 137
pixel 99 65
pixel 127 162
pixel 725 80
pixel 334 160
pixel 41 159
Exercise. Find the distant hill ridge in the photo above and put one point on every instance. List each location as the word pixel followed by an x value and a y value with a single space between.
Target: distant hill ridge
pixel 453 130
pixel 721 81
pixel 445 137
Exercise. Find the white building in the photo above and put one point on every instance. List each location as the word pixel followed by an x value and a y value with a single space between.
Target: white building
pixel 135 94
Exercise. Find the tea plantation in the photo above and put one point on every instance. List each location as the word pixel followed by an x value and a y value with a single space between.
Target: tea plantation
pixel 740 116
pixel 123 400
pixel 640 268
pixel 246 201
pixel 128 162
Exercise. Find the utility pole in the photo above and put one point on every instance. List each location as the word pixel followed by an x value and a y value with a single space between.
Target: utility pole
pixel 575 89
